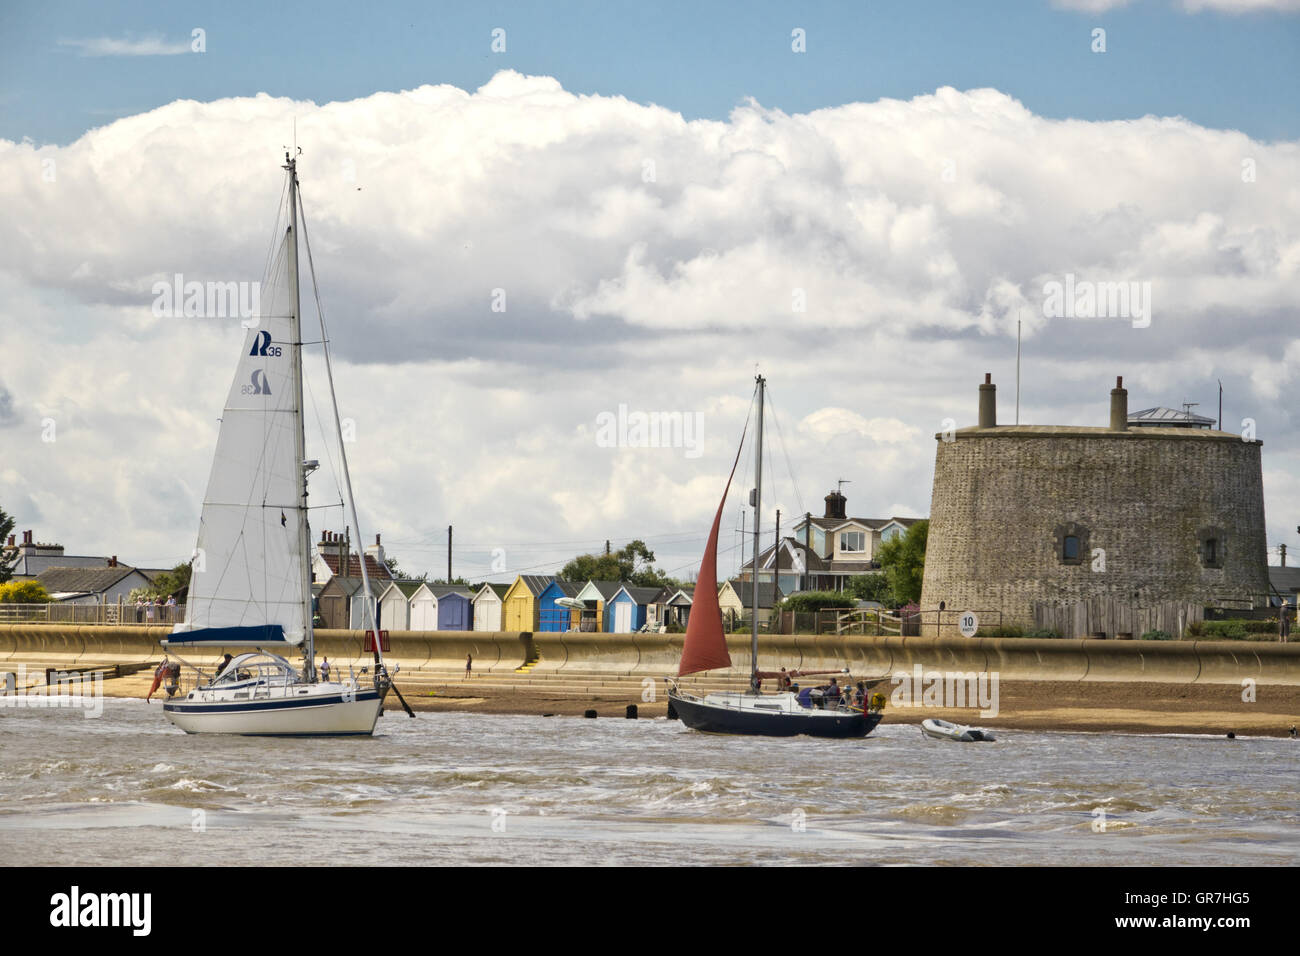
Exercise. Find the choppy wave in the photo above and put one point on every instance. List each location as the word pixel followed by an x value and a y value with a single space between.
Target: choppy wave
pixel 466 788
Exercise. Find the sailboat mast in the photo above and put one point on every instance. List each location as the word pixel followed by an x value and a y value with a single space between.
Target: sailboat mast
pixel 299 433
pixel 758 511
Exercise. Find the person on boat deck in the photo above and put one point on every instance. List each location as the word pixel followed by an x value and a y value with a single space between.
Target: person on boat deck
pixel 169 671
pixel 833 692
pixel 225 662
pixel 325 669
pixel 783 682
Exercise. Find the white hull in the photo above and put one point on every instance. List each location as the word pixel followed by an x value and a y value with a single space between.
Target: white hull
pixel 302 710
pixel 943 730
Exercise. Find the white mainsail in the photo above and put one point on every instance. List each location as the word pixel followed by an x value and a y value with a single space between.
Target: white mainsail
pixel 246 584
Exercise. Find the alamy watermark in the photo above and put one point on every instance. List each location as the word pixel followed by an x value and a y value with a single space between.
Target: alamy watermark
pixel 948 689
pixel 206 300
pixel 1085 299
pixel 61 689
pixel 627 429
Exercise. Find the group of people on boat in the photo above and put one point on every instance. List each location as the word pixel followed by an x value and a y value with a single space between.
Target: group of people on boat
pixel 830 696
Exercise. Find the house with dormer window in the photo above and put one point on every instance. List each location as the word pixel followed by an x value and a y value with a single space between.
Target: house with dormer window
pixel 822 553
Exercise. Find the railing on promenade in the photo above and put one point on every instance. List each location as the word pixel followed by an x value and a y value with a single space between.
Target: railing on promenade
pixel 60 612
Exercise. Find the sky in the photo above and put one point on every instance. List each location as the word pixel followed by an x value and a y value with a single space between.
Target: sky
pixel 530 221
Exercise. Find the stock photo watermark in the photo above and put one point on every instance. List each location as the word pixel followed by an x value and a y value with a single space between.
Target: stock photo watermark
pixel 638 429
pixel 946 689
pixel 1076 298
pixel 75 690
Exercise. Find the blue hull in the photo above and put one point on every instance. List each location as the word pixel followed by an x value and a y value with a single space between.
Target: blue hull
pixel 729 720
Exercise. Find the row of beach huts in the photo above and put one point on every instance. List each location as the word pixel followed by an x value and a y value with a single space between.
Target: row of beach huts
pixel 529 603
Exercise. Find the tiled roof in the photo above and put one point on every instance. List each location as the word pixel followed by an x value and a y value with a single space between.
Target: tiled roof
pixel 373 567
pixel 1285 580
pixel 83 580
pixel 407 586
pixel 536 583
pixel 607 589
pixel 745 591
pixel 642 595
pixel 498 589
pixel 874 524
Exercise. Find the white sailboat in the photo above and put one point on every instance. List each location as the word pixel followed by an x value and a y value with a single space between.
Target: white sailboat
pixel 250 583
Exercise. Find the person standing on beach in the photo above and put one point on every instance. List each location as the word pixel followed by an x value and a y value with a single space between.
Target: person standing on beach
pixel 469 665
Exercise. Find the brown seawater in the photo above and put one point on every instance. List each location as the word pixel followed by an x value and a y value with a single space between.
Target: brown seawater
pixel 468 789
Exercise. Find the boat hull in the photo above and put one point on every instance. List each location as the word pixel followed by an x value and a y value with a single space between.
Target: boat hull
pixel 309 715
pixel 713 719
pixel 943 730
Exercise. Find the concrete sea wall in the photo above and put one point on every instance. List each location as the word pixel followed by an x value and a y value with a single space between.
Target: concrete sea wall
pixel 37 646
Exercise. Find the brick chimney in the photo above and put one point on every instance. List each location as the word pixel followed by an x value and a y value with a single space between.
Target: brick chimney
pixel 988 402
pixel 835 503
pixel 112 562
pixel 1119 406
pixel 376 551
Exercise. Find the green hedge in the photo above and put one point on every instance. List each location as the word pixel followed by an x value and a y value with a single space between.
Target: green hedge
pixel 1233 629
pixel 808 601
pixel 1156 636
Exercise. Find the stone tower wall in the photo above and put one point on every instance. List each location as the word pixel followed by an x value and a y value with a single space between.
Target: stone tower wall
pixel 1148 498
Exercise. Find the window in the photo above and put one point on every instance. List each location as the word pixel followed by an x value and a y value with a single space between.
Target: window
pixel 852 541
pixel 1071 543
pixel 1211 545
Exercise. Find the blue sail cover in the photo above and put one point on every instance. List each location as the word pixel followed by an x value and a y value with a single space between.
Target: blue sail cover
pixel 262 635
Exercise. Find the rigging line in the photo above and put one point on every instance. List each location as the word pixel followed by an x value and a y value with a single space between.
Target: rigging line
pixel 275 229
pixel 320 425
pixel 785 451
pixel 437 541
pixel 369 604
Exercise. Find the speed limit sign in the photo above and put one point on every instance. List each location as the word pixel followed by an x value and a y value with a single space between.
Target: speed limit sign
pixel 968 624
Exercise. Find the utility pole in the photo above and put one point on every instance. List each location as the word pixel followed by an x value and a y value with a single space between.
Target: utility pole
pixel 1220 425
pixel 607 545
pixel 1017 371
pixel 1282 548
pixel 449 554
pixel 776 554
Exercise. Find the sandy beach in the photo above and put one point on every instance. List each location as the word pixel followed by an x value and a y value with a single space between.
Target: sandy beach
pixel 1089 706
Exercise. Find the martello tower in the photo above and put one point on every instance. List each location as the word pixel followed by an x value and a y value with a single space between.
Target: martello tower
pixel 1023 515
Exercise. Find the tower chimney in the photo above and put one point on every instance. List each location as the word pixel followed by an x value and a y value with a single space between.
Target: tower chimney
pixel 835 505
pixel 988 402
pixel 1119 406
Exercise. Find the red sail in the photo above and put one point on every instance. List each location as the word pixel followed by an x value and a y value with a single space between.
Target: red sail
pixel 706 643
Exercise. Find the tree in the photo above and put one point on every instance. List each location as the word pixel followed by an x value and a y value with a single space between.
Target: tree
pixel 903 560
pixel 400 575
pixel 169 582
pixel 634 563
pixel 8 555
pixel 24 592
pixel 873 587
